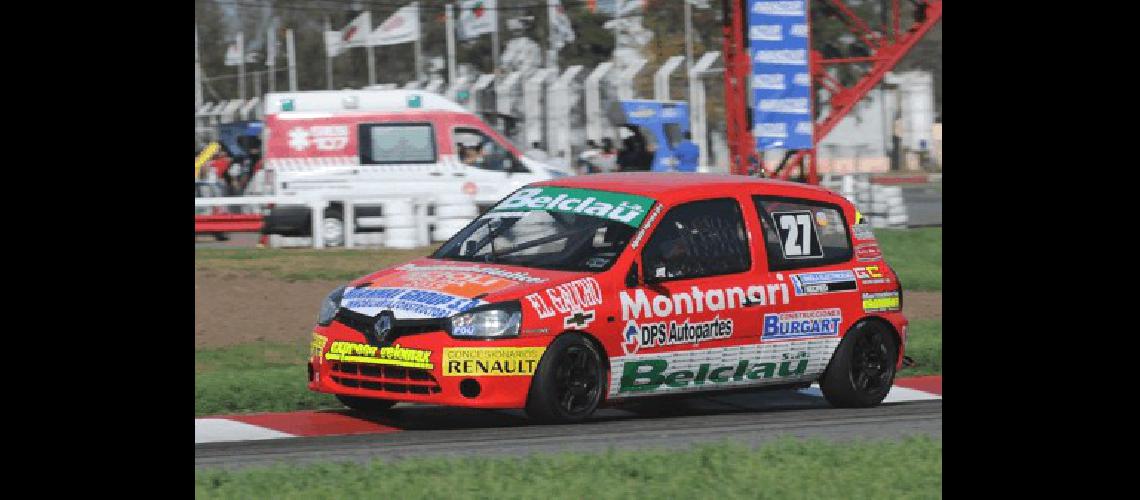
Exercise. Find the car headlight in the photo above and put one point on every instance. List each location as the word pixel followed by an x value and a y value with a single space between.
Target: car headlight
pixel 329 307
pixel 491 321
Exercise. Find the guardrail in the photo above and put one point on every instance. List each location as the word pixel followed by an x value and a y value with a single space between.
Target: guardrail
pixel 406 221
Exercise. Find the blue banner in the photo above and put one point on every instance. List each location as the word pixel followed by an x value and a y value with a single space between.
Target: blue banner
pixel 781 80
pixel 657 116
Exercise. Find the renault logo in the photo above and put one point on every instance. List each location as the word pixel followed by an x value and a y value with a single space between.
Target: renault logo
pixel 383 327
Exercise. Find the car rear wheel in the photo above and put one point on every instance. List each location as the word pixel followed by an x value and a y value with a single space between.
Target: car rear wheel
pixel 862 369
pixel 569 382
pixel 368 405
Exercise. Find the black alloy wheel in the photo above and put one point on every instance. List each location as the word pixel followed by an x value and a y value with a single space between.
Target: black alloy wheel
pixel 862 369
pixel 569 382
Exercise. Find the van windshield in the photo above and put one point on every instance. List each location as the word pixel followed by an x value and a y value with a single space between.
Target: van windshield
pixel 552 228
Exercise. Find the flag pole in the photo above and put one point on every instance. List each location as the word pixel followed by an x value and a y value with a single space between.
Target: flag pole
pixel 241 65
pixel 371 54
pixel 197 72
pixel 551 53
pixel 450 26
pixel 419 48
pixel 270 55
pixel 328 56
pixel 495 45
pixel 292 54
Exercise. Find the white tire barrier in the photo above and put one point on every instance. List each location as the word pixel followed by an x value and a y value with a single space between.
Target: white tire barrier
pixel 469 211
pixel 400 231
pixel 453 212
pixel 445 229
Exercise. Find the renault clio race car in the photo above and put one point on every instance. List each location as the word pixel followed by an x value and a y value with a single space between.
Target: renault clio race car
pixel 580 291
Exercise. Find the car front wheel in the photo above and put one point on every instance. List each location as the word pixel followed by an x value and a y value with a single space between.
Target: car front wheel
pixel 862 369
pixel 569 382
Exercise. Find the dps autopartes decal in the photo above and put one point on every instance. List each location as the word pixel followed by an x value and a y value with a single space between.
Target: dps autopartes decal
pixel 824 282
pixel 725 367
pixel 622 207
pixel 649 335
pixel 881 301
pixel 490 361
pixel 798 236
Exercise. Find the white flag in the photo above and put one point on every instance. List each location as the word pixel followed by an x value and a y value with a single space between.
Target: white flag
pixel 357 31
pixel 332 43
pixel 402 27
pixel 233 55
pixel 477 17
pixel 561 31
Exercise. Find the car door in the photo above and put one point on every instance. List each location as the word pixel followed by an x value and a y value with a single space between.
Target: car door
pixel 686 316
pixel 807 246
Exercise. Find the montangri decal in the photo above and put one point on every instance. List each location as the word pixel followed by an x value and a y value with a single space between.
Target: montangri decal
pixel 622 207
pixel 679 303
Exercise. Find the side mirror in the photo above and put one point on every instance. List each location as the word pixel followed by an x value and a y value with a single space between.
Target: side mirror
pixel 507 166
pixel 469 247
pixel 632 278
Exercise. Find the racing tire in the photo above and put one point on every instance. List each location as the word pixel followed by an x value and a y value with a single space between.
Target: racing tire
pixel 569 383
pixel 862 369
pixel 367 405
pixel 332 228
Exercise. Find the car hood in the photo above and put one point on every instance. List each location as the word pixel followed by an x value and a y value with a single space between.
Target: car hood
pixel 433 288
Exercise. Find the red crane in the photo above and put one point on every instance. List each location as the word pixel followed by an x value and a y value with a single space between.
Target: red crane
pixel 887 46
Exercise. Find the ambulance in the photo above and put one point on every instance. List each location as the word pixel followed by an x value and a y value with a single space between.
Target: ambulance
pixel 325 144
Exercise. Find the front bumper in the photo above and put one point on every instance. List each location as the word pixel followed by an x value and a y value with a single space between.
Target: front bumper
pixel 478 374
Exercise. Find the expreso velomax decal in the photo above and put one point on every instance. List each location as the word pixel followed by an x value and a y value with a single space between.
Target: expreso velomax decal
pixel 781 80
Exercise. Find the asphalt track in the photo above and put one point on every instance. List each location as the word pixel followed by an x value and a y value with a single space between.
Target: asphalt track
pixel 749 418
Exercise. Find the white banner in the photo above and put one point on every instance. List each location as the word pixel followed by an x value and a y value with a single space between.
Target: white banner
pixel 356 32
pixel 477 17
pixel 332 43
pixel 401 27
pixel 233 55
pixel 561 31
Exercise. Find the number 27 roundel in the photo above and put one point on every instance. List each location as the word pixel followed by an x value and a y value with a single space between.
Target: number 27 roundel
pixel 798 236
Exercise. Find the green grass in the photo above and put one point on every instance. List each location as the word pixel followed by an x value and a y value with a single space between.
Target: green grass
pixel 924 345
pixel 785 468
pixel 301 265
pixel 915 254
pixel 254 377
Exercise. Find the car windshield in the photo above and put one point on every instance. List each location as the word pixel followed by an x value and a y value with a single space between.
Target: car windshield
pixel 552 228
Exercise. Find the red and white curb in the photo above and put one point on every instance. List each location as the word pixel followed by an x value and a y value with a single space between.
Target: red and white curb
pixel 331 423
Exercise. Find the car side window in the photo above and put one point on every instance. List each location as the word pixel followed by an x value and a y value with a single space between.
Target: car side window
pixel 396 143
pixel 697 239
pixel 802 233
pixel 476 149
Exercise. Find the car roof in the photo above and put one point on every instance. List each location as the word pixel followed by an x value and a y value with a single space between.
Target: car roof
pixel 668 186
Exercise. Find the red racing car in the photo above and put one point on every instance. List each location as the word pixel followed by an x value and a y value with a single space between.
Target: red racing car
pixel 575 292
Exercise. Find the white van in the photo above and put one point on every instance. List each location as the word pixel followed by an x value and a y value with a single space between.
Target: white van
pixel 381 142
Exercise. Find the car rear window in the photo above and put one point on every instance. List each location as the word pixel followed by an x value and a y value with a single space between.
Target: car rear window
pixel 394 143
pixel 802 233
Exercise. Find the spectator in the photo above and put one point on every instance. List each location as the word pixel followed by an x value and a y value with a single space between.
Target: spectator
pixel 688 154
pixel 587 160
pixel 536 153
